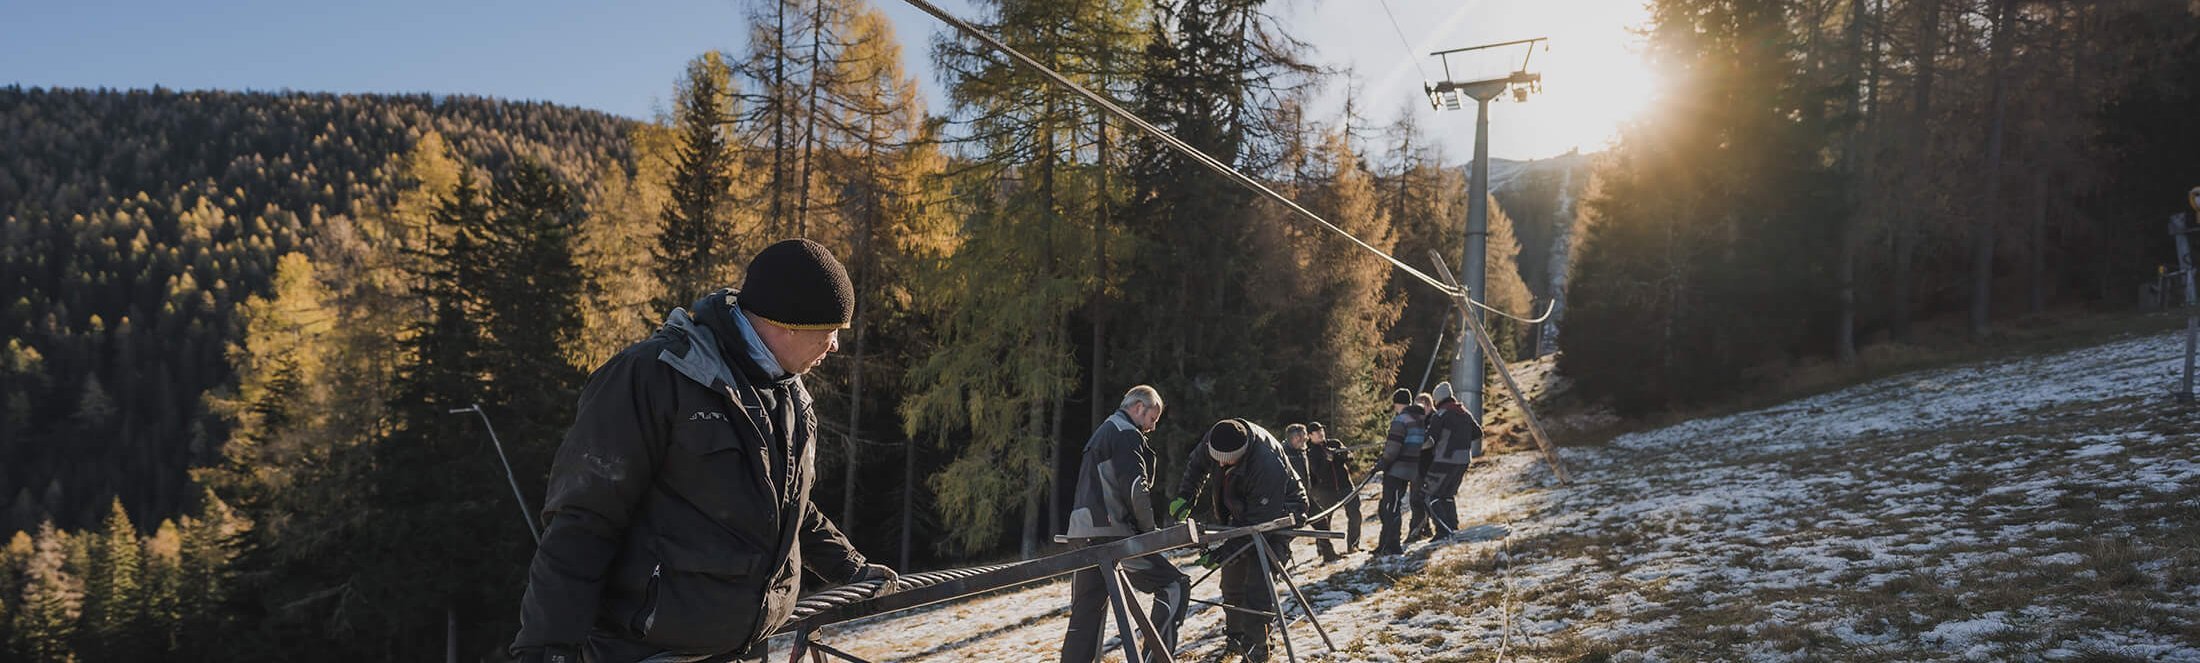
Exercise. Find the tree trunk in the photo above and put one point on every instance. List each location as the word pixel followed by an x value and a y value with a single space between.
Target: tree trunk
pixel 1905 238
pixel 1851 231
pixel 855 401
pixel 2038 259
pixel 1101 210
pixel 809 120
pixel 779 124
pixel 1034 478
pixel 1982 232
pixel 908 499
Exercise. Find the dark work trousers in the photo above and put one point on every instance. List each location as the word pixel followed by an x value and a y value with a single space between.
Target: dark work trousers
pixel 1351 512
pixel 1395 499
pixel 1244 586
pixel 1442 481
pixel 1417 497
pixel 1090 614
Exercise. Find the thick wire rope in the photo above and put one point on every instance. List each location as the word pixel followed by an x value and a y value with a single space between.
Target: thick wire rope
pixel 1173 142
pixel 1255 186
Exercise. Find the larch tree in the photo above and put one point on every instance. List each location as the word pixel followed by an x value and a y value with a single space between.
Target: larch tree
pixel 1030 182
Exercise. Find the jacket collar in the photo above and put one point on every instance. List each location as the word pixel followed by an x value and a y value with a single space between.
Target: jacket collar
pixel 717 345
pixel 1122 420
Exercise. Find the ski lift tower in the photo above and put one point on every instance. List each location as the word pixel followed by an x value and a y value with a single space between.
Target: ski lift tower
pixel 1451 94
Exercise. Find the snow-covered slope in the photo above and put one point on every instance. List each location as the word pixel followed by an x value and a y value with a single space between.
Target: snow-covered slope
pixel 2045 508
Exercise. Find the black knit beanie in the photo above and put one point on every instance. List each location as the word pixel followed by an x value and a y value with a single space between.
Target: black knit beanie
pixel 1401 397
pixel 1226 441
pixel 797 284
pixel 1314 427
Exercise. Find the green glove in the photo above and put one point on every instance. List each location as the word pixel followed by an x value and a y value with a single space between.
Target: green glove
pixel 1180 508
pixel 1207 560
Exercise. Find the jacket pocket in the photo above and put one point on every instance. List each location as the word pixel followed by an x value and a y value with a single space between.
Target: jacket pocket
pixel 701 600
pixel 721 473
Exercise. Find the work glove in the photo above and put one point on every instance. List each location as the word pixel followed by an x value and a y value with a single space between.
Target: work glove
pixel 1180 508
pixel 889 581
pixel 550 654
pixel 1207 559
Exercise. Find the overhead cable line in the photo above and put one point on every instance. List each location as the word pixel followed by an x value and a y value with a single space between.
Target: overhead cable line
pixel 1403 42
pixel 1179 145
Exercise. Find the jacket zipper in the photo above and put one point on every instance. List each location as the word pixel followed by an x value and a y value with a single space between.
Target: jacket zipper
pixel 646 616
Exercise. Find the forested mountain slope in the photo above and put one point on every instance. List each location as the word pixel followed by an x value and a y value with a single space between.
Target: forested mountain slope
pixel 132 225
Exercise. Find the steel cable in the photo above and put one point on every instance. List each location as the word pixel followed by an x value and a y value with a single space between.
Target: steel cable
pixel 1173 142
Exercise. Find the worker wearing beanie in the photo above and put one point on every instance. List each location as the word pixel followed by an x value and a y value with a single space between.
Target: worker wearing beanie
pixel 1454 439
pixel 1400 467
pixel 1331 481
pixel 1253 484
pixel 678 519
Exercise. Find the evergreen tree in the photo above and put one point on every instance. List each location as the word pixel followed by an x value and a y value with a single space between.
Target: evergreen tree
pixel 162 584
pixel 114 595
pixel 1708 261
pixel 1214 73
pixel 504 294
pixel 695 250
pixel 15 560
pixel 205 581
pixel 1503 289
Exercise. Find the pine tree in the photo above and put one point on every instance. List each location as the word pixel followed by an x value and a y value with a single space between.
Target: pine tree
pixel 114 593
pixel 694 249
pixel 1503 289
pixel 162 582
pixel 205 580
pixel 15 560
pixel 504 295
pixel 1214 73
pixel 1695 278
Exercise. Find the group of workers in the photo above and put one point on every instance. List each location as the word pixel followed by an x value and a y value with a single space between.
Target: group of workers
pixel 678 519
pixel 1251 478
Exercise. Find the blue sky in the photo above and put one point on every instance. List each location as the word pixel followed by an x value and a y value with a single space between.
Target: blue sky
pixel 622 57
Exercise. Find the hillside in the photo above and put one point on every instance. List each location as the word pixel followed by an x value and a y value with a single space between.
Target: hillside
pixel 2039 507
pixel 133 223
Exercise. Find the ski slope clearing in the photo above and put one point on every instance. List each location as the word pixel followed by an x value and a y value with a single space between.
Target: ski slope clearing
pixel 2046 508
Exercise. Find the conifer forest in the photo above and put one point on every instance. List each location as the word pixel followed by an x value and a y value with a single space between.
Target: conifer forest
pixel 237 323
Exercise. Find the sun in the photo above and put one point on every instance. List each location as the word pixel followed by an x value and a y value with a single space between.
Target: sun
pixel 1594 77
pixel 1594 95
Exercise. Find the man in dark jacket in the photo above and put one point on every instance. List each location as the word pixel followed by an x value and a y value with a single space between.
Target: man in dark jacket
pixel 1295 451
pixel 1114 500
pixel 1253 484
pixel 1400 467
pixel 1330 481
pixel 679 501
pixel 1454 439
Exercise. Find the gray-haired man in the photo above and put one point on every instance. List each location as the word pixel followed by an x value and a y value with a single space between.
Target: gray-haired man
pixel 1115 500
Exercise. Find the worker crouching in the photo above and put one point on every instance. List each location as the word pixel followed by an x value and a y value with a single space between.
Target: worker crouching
pixel 1253 484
